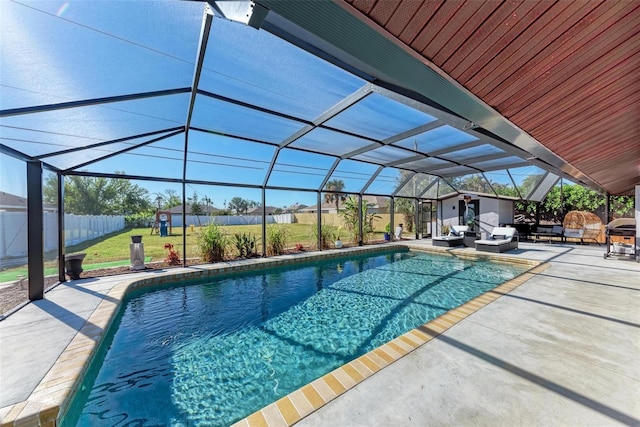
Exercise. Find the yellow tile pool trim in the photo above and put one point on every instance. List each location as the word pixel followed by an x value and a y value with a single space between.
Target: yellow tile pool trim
pixel 54 393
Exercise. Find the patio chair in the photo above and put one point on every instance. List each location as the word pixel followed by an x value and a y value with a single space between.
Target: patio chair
pixel 502 239
pixel 454 238
pixel 582 225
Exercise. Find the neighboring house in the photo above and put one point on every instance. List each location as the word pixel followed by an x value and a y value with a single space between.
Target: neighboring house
pixel 12 203
pixel 294 208
pixel 377 204
pixel 206 210
pixel 258 210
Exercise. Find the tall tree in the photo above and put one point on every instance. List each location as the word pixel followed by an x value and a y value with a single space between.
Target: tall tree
pixel 99 196
pixel 335 186
pixel 239 205
pixel 196 206
pixel 171 198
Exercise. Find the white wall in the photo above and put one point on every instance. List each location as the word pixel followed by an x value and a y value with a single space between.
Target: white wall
pixel 505 211
pixel 489 214
pixel 449 214
pixel 493 212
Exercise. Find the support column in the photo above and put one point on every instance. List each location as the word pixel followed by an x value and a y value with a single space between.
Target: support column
pixel 416 217
pixel 561 201
pixel 35 225
pixel 61 229
pixel 360 216
pixel 264 223
pixel 637 215
pixel 184 220
pixel 319 217
pixel 392 208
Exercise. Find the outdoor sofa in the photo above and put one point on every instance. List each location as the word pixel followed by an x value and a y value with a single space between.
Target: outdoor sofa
pixel 502 239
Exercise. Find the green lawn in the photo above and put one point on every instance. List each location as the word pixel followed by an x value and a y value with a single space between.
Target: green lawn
pixel 113 249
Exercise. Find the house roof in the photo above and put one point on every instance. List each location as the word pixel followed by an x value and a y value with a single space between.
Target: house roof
pixel 207 210
pixel 258 209
pixel 376 202
pixel 10 201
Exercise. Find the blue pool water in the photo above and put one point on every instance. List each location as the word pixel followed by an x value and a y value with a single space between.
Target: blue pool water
pixel 212 353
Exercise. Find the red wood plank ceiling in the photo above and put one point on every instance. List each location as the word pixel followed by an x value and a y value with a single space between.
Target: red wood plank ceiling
pixel 565 72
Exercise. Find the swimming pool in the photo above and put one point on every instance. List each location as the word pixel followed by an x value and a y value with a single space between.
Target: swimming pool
pixel 212 353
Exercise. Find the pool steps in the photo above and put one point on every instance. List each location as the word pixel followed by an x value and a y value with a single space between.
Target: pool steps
pixel 54 393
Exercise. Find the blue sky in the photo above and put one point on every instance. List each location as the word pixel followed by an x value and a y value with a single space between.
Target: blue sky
pixel 59 51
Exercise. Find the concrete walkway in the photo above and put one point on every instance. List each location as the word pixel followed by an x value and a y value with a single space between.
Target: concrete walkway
pixel 562 349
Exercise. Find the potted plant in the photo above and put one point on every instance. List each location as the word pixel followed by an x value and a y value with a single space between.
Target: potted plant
pixel 387 232
pixel 471 223
pixel 338 242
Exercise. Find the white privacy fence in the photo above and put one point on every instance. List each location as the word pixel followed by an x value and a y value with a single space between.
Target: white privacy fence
pixel 176 219
pixel 78 228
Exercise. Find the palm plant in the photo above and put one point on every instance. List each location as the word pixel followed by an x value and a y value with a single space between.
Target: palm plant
pixel 336 196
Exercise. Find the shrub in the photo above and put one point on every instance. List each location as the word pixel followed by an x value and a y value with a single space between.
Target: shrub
pixel 277 240
pixel 245 243
pixel 351 219
pixel 139 220
pixel 173 258
pixel 327 233
pixel 299 247
pixel 212 243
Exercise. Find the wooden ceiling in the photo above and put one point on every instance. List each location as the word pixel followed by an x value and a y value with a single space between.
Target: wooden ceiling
pixel 565 72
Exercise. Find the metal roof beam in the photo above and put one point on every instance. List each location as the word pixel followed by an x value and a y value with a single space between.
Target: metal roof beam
pixel 65 171
pixel 90 102
pixel 113 141
pixel 336 109
pixel 464 146
pixel 407 160
pixel 413 132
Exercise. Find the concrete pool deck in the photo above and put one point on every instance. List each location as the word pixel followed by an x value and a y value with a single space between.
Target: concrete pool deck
pixel 560 349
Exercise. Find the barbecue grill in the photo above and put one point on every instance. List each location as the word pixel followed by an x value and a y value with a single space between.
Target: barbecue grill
pixel 625 227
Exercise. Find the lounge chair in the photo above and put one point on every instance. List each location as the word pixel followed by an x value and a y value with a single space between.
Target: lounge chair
pixel 454 238
pixel 502 239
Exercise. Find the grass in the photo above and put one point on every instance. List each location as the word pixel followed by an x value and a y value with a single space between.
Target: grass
pixel 112 250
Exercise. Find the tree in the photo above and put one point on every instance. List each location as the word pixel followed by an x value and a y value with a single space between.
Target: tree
pixel 575 197
pixel 99 196
pixel 171 198
pixel 335 186
pixel 407 207
pixel 350 216
pixel 196 207
pixel 239 205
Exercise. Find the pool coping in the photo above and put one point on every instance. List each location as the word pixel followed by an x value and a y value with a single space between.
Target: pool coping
pixel 53 395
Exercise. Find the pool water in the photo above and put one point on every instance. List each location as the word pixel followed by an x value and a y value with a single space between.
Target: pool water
pixel 213 353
